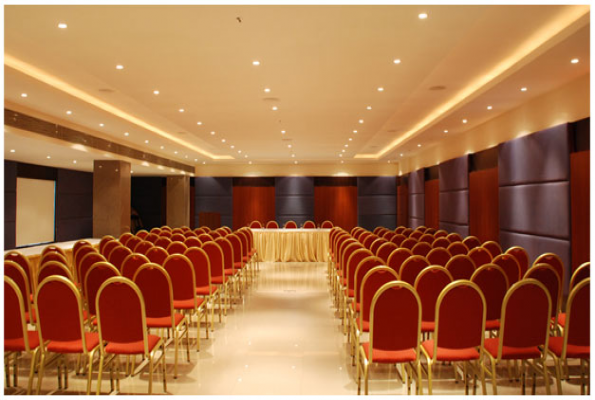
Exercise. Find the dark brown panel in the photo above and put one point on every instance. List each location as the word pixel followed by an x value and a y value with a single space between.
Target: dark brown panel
pixel 582 134
pixel 580 207
pixel 432 204
pixel 252 203
pixel 335 181
pixel 337 204
pixel 485 159
pixel 431 173
pixel 32 171
pixel 402 205
pixel 484 220
pixel 254 182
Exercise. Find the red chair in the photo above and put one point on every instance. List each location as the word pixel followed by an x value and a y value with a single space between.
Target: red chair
pixel 189 233
pixel 206 229
pixel 229 269
pixel 493 247
pixel 393 340
pixel 353 260
pixel 521 256
pixel 524 330
pixel 480 256
pixel 123 328
pixel 177 230
pixel 86 263
pixel 178 237
pixel 133 242
pixel 441 242
pixel 117 256
pixel 157 255
pixel 326 224
pixel 192 241
pixel 454 237
pixel 376 244
pixel 369 239
pixel 61 327
pixel 428 285
pixel 53 256
pixel 181 272
pixel 15 272
pixel 438 256
pixel 492 281
pixel 388 235
pixel 553 260
pixel 156 286
pixel 78 244
pixel 459 331
pixel 125 237
pixel 205 237
pixel 290 225
pixel 52 268
pixel 176 248
pixel 142 234
pixel 152 237
pixel 95 277
pixel 204 286
pixel 461 267
pixel 581 273
pixel 421 249
pixel 398 239
pixel 132 263
pixel 165 234
pixel 399 229
pixel 249 255
pixel 17 338
pixel 155 230
pixel 397 258
pixel 440 233
pixel 407 232
pixel 143 247
pixel 427 238
pixel 256 225
pixel 50 248
pixel 104 241
pixel 409 243
pixel 218 277
pixel 411 268
pixel 416 234
pixel 509 264
pixel 575 343
pixel 385 250
pixel 472 242
pixel 78 257
pixel 548 276
pixel 272 225
pixel 23 262
pixel 377 230
pixel 239 261
pixel 163 242
pixel 457 248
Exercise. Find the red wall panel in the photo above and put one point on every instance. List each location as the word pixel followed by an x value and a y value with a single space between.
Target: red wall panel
pixel 402 205
pixel 337 204
pixel 484 218
pixel 579 207
pixel 253 203
pixel 432 204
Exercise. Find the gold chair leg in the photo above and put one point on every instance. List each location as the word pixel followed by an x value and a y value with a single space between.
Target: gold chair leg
pixel 40 372
pixel 151 374
pixel 430 388
pixel 101 360
pixel 34 360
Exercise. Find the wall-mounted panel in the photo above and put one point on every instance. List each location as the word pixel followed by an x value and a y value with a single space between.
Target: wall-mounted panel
pixel 416 189
pixel 294 199
pixel 454 195
pixel 253 203
pixel 432 204
pixel 484 214
pixel 214 194
pixel 377 201
pixel 74 205
pixel 402 204
pixel 147 198
pixel 337 204
pixel 10 204
pixel 454 207
pixel 580 200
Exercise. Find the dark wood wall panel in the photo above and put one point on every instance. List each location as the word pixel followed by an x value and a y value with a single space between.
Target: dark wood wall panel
pixel 337 204
pixel 10 204
pixel 147 198
pixel 580 207
pixel 432 203
pixel 484 219
pixel 253 203
pixel 402 205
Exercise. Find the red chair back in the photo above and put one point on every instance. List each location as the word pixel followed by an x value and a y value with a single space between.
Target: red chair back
pixel 554 261
pixel 163 242
pixel 152 237
pixel 256 224
pixel 272 225
pixel 367 242
pixel 411 268
pixel 326 225
pixel 376 245
pixel 472 242
pixel 86 263
pixel 509 264
pixel 23 262
pixel 176 248
pixel 457 248
pixel 521 256
pixel 416 234
pixel 181 273
pixel 409 243
pixel 97 275
pixel 290 225
pixel 309 225
pixel 125 237
pixel 480 256
pixel 53 268
pixel 341 249
pixel 398 239
pixel 577 329
pixel 397 258
pixel 165 234
pixel 390 333
pixel 245 236
pixel 215 254
pixel 142 234
pixel 133 242
pixel 143 247
pixel 493 247
pixel 440 233
pixel 421 249
pixel 155 230
pixel 118 255
pixel 53 256
pixel 156 287
pixel 438 256
pixel 361 270
pixel 178 237
pixel 202 266
pixel 461 267
pixel 454 237
pixel 78 257
pixel 227 249
pixel 189 233
pixel 51 248
pixel 582 272
pixel 15 272
pixel 205 237
pixel 388 235
pixel 545 274
pixel 373 280
pixel 192 241
pixel 429 284
pixel 236 244
pixel 407 232
pixel 108 246
pixel 77 245
pixel 492 281
pixel 441 242
pixel 15 324
pixel 132 263
pixel 157 255
pixel 352 262
pixel 427 238
pixel 385 250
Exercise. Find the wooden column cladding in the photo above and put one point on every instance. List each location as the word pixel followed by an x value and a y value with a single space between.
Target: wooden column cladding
pixel 484 219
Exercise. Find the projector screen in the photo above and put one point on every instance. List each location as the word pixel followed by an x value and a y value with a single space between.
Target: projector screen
pixel 35 211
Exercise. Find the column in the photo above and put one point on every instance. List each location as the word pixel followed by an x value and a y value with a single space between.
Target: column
pixel 178 201
pixel 111 198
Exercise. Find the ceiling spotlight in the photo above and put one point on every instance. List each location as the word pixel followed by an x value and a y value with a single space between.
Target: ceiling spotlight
pixel 232 146
pixel 199 123
pixel 119 66
pixel 355 132
pixel 341 155
pixel 401 154
pixel 396 61
pixel 102 125
pixel 255 62
pixel 350 139
pixel 23 94
pixel 489 107
pixel 212 132
pixel 523 89
pixel 574 61
pixel 343 151
pixel 12 150
pixel 222 140
pixel 267 90
pixel 147 141
pixel 204 162
pixel 181 110
pixel 68 112
pixel 361 121
pixel 293 155
pixel 155 92
pixel 62 25
pixel 419 145
pixel 48 157
pixel 245 155
pixel 176 152
pixel 74 161
pixel 295 162
pixel 274 108
pixel 342 161
pixel 186 156
pixel 196 159
pixel 250 162
pixel 283 132
pixel 380 89
pixel 239 151
pixel 289 146
pixel 131 171
pixel 126 134
pixel 464 121
pixel 346 145
pixel 162 147
pixel 446 131
pixel 369 108
pixel 422 16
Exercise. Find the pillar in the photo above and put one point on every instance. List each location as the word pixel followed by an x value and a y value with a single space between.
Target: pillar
pixel 111 198
pixel 178 201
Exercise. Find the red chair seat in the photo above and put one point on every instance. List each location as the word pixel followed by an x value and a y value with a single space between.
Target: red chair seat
pixel 390 356
pixel 246 258
pixel 428 326
pixel 358 306
pixel 239 265
pixel 366 326
pixel 344 281
pixel 133 347
pixel 450 354
pixel 164 322
pixel 19 344
pixel 492 324
pixel 572 351
pixel 74 346
pixel 229 271
pixel 187 304
pixel 218 280
pixel 350 292
pixel 252 252
pixel 205 290
pixel 562 319
pixel 511 353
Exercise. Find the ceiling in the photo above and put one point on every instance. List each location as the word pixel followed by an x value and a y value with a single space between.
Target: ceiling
pixel 322 64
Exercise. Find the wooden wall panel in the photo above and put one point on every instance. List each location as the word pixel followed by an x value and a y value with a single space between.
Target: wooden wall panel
pixel 402 205
pixel 432 203
pixel 580 207
pixel 253 203
pixel 484 219
pixel 337 204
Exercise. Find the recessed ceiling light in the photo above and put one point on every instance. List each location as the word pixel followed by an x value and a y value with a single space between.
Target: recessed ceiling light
pixel 186 156
pixel 74 161
pixel 222 140
pixel 274 108
pixel 255 62
pixel 380 89
pixel 162 147
pixel 346 145
pixel 250 162
pixel 199 123
pixel 102 125
pixel 147 141
pixel 396 61
pixel 489 107
pixel 343 151
pixel 68 112
pixel 245 155
pixel 196 159
pixel 212 132
pixel 361 121
pixel 289 146
pixel 369 108
pixel 574 61
pixel 401 154
pixel 388 161
pixel 62 25
pixel 293 155
pixel 239 151
pixel 341 155
pixel 523 89
pixel 350 139
pixel 12 150
pixel 422 16
pixel 176 152
pixel 419 145
pixel 295 162
pixel 126 134
pixel 267 90
pixel 232 146
pixel 155 92
pixel 283 132
pixel 342 161
pixel 204 162
pixel 48 157
pixel 23 94
pixel 355 132
pixel 446 131
pixel 464 121
pixel 119 66
pixel 181 110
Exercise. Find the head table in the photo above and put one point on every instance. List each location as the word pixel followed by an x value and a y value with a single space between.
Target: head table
pixel 300 245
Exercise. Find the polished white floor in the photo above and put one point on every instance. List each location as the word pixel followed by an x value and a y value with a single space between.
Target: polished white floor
pixel 284 339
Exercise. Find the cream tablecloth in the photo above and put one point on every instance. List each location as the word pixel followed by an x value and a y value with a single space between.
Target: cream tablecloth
pixel 301 245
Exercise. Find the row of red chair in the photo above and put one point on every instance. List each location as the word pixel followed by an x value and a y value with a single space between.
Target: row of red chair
pixel 290 225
